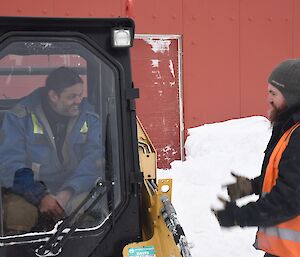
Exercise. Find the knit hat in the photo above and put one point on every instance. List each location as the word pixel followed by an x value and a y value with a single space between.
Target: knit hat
pixel 62 78
pixel 286 78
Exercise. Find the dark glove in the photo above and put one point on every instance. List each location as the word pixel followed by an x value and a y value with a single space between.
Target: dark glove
pixel 25 185
pixel 226 217
pixel 242 187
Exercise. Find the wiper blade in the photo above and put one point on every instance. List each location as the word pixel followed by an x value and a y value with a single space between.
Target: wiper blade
pixel 57 240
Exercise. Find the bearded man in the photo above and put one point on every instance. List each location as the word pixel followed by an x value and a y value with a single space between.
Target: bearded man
pixel 277 211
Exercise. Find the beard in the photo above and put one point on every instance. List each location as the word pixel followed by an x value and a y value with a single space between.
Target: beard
pixel 274 113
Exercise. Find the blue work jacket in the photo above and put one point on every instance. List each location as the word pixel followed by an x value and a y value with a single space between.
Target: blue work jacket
pixel 27 142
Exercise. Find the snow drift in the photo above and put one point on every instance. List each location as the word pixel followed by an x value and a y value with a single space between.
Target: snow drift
pixel 212 152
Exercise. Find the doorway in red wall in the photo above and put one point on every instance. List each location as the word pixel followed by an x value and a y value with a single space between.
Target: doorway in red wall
pixel 156 61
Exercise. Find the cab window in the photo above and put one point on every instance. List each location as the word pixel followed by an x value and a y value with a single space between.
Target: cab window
pixel 59 135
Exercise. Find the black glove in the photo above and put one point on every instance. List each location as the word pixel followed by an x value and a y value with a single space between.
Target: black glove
pixel 226 217
pixel 24 185
pixel 242 187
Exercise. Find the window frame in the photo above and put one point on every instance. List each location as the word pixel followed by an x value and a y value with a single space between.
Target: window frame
pixel 117 68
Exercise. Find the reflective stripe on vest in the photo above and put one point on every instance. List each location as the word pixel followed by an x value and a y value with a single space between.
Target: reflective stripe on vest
pixel 283 239
pixel 286 234
pixel 84 129
pixel 37 127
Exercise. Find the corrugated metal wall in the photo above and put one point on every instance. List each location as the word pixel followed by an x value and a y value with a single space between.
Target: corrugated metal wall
pixel 229 47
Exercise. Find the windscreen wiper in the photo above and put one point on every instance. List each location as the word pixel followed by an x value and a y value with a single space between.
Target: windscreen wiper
pixel 55 243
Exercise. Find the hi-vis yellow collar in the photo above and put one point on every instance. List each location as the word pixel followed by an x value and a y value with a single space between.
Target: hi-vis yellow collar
pixel 84 129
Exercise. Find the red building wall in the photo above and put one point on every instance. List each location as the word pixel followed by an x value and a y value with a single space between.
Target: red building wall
pixel 229 47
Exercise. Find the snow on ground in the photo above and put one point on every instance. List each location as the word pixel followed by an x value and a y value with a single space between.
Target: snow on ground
pixel 212 152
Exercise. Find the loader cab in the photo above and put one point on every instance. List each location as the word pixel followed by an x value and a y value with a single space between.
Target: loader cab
pixel 105 170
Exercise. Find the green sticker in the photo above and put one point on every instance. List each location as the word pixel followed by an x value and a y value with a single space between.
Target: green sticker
pixel 146 251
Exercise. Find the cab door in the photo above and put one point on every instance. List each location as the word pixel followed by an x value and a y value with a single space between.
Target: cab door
pixel 105 170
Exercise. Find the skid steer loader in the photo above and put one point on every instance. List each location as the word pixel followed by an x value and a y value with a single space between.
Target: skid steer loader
pixel 127 211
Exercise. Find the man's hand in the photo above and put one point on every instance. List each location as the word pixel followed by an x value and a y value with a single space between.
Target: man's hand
pixel 50 206
pixel 242 187
pixel 226 216
pixel 63 197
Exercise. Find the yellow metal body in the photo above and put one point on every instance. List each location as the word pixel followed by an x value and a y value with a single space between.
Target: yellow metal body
pixel 147 153
pixel 156 234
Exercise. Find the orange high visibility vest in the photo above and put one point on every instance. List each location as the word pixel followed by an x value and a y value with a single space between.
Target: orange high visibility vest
pixel 283 239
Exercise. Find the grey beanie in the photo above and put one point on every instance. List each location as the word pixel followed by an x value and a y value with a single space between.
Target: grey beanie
pixel 286 78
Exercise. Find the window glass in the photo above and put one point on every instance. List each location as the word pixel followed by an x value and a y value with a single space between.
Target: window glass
pixel 58 136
